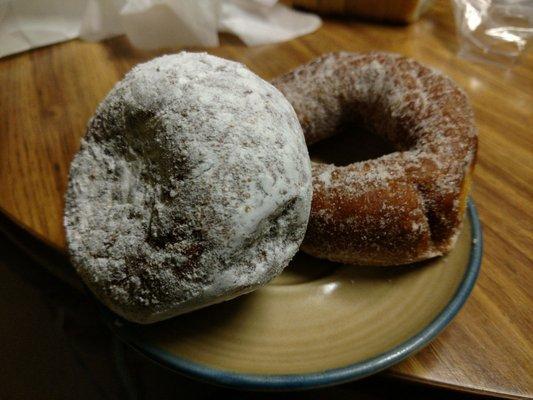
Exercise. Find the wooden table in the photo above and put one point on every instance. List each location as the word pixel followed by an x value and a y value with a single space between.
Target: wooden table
pixel 47 95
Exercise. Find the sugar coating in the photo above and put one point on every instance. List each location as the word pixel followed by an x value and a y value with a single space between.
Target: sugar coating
pixel 191 186
pixel 402 207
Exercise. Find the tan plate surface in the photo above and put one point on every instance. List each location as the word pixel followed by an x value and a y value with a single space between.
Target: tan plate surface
pixel 316 316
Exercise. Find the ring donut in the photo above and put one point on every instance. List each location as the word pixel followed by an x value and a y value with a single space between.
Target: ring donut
pixel 402 207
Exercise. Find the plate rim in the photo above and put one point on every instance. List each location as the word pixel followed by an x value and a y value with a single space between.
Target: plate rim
pixel 327 377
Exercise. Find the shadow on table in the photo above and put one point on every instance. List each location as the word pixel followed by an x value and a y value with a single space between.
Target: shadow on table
pixel 55 346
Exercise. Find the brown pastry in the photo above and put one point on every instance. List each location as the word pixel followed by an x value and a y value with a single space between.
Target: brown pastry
pixel 402 207
pixel 404 11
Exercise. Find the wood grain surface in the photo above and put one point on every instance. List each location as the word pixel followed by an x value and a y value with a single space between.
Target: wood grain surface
pixel 48 94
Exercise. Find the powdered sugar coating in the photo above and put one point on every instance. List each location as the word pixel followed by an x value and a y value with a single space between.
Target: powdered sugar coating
pixel 402 207
pixel 191 186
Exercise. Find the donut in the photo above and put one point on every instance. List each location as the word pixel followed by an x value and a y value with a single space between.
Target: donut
pixel 402 207
pixel 191 186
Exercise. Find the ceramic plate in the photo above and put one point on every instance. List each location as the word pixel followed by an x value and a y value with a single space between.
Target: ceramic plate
pixel 318 324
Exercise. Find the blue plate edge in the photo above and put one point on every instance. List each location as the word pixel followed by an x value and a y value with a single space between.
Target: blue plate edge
pixel 328 377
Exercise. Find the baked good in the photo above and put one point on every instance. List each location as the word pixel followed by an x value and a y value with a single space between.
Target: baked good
pixel 192 186
pixel 401 207
pixel 403 11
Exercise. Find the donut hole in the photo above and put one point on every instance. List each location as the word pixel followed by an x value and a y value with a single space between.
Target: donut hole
pixel 351 144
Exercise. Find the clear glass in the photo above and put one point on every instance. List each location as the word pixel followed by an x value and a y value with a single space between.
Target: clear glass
pixel 495 31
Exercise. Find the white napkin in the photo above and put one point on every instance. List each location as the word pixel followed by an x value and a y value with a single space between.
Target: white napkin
pixel 149 24
pixel 263 21
pixel 25 24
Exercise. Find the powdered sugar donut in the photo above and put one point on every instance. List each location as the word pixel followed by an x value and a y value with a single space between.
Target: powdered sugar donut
pixel 191 186
pixel 402 207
